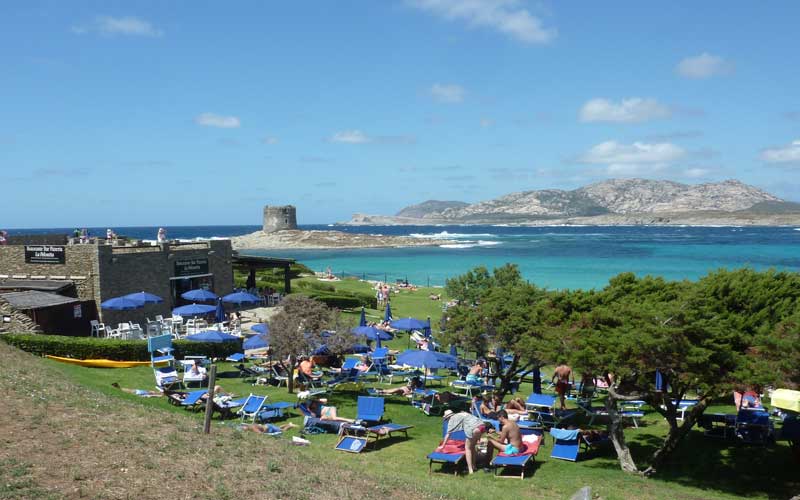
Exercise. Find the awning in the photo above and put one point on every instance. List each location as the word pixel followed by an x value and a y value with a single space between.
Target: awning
pixel 191 276
pixel 33 299
pixel 41 285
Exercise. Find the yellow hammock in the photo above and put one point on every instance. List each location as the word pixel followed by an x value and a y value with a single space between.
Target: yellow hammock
pixel 102 363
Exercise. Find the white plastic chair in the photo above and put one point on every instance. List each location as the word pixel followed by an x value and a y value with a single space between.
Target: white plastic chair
pixel 98 329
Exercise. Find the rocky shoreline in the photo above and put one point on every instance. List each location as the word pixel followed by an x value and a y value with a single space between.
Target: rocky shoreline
pixel 297 239
pixel 649 219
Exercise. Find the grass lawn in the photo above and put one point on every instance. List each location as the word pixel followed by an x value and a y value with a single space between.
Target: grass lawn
pixel 702 468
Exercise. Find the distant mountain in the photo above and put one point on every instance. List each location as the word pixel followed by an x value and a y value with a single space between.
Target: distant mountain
pixel 616 201
pixel 430 207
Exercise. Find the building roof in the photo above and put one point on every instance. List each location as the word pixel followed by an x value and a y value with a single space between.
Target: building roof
pixel 41 285
pixel 33 299
pixel 258 261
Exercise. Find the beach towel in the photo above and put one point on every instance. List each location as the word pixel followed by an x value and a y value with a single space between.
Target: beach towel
pixel 566 435
pixel 451 447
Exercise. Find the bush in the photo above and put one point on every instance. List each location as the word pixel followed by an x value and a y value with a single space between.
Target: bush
pixel 338 301
pixel 117 350
pixel 315 285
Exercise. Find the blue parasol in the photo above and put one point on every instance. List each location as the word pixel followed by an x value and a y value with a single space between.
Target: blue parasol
pixel 121 304
pixel 241 298
pixel 363 320
pixel 371 333
pixel 260 328
pixel 219 313
pixel 144 298
pixel 409 324
pixel 214 336
pixel 387 315
pixel 426 359
pixel 257 342
pixel 193 310
pixel 199 295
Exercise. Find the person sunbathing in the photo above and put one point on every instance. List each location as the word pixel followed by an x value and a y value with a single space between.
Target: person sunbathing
pixel 487 407
pixel 516 405
pixel 267 428
pixel 510 439
pixel 317 407
pixel 138 392
pixel 405 390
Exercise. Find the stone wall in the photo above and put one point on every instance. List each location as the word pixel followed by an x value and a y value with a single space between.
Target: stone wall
pixel 279 218
pixel 80 267
pixel 20 322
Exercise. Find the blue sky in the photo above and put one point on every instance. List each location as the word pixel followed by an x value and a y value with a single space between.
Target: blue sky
pixel 167 113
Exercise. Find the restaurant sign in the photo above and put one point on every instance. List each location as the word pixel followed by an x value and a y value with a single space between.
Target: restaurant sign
pixel 45 254
pixel 191 267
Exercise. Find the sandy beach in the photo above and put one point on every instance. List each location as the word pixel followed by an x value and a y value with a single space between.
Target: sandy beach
pixel 297 239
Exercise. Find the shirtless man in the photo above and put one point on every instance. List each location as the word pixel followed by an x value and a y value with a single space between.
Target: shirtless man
pixel 562 377
pixel 510 439
pixel 474 375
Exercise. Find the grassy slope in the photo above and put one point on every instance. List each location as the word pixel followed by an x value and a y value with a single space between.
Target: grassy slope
pixel 85 433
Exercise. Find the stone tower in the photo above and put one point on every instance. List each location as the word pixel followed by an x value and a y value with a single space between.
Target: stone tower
pixel 279 218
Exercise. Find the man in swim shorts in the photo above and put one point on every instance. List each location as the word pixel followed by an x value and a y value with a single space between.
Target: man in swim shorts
pixel 561 377
pixel 510 439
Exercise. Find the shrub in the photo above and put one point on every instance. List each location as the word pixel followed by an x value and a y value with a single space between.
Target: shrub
pixel 315 285
pixel 338 301
pixel 118 350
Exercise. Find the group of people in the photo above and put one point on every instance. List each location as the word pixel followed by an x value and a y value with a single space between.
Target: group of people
pixel 508 440
pixel 382 292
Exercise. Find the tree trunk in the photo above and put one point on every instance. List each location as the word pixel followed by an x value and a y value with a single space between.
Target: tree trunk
pixel 615 431
pixel 675 434
pixel 290 371
pixel 537 379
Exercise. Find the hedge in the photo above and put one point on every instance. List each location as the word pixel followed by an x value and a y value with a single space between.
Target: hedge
pixel 338 301
pixel 118 350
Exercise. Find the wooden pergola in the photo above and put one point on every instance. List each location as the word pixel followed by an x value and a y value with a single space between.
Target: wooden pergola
pixel 253 263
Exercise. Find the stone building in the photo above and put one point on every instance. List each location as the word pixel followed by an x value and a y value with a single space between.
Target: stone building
pixel 279 218
pixel 94 272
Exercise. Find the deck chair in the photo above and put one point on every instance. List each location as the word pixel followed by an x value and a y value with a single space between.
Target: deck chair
pixel 379 366
pixel 632 410
pixel 198 378
pixel 542 408
pixel 452 454
pixel 256 408
pixel 166 378
pixel 313 421
pixel 567 443
pixel 370 409
pixel 160 349
pixel 425 400
pixel 753 426
pixel 193 400
pixel 236 357
pixel 470 389
pixel 348 373
pixel 520 460
pixel 717 425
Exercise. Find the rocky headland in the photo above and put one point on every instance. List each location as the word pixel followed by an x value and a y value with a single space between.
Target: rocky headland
pixel 612 202
pixel 299 239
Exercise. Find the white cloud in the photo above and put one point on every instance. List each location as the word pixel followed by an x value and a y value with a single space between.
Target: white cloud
pixel 505 16
pixel 632 110
pixel 270 140
pixel 486 122
pixel 214 120
pixel 124 26
pixel 696 172
pixel 784 154
pixel 633 159
pixel 350 137
pixel 448 92
pixel 704 66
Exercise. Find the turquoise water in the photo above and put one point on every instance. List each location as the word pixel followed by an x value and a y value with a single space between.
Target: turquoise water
pixel 552 257
pixel 563 257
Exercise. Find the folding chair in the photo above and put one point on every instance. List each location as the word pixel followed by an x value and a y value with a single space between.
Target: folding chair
pixel 370 409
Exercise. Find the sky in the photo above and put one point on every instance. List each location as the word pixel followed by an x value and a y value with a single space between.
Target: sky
pixel 121 113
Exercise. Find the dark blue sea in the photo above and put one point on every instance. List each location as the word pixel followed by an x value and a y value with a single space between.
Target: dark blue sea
pixel 552 257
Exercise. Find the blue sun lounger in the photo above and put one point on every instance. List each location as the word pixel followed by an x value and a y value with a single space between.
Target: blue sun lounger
pixel 256 408
pixel 541 407
pixel 520 461
pixel 567 444
pixel 370 409
pixel 456 459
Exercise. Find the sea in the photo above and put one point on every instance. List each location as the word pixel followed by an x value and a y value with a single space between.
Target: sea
pixel 553 257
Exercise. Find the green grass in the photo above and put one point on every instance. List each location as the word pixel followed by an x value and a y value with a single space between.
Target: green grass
pixel 702 468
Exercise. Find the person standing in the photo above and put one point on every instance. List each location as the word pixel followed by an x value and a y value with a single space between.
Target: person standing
pixel 562 376
pixel 473 428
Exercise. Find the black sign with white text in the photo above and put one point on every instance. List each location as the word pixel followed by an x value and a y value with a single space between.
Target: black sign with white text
pixel 191 267
pixel 45 254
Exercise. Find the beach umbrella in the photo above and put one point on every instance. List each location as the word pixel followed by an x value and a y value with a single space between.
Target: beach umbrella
pixel 427 330
pixel 214 336
pixel 660 384
pixel 199 295
pixel 363 320
pixel 193 310
pixel 371 333
pixel 219 313
pixel 260 328
pixel 387 315
pixel 427 360
pixel 121 304
pixel 409 324
pixel 239 298
pixel 144 298
pixel 257 342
